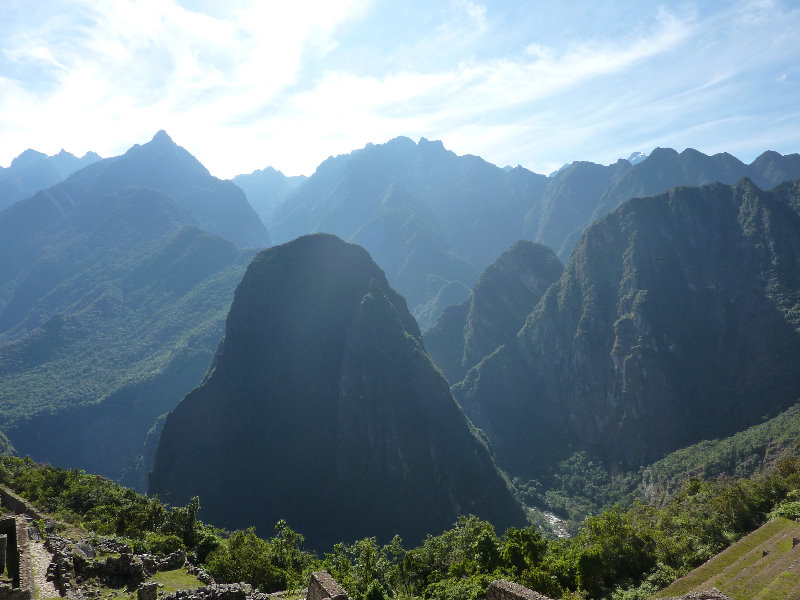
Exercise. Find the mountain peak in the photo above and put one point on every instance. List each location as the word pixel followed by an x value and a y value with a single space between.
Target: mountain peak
pixel 636 157
pixel 28 157
pixel 663 153
pixel 323 354
pixel 162 137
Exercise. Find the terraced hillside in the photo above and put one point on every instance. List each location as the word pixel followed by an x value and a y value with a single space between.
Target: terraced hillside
pixel 764 565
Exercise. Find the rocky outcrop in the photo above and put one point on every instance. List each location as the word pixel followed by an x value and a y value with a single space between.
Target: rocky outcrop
pixel 321 407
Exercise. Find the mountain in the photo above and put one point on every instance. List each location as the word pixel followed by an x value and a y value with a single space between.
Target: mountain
pixel 636 157
pixel 593 193
pixel 112 301
pixel 219 206
pixel 322 407
pixel 676 320
pixel 665 168
pixel 569 201
pixel 432 220
pixel 266 189
pixel 505 294
pixel 32 171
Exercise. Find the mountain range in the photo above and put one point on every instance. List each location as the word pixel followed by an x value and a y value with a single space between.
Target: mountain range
pixel 434 220
pixel 674 320
pixel 112 299
pixel 32 171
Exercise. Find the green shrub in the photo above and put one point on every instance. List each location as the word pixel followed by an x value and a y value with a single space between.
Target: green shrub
pixel 788 510
pixel 159 543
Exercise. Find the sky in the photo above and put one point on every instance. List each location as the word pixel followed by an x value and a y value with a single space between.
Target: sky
pixel 245 84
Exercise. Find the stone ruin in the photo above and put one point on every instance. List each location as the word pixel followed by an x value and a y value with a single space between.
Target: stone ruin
pixel 16 560
pixel 502 589
pixel 324 587
pixel 71 560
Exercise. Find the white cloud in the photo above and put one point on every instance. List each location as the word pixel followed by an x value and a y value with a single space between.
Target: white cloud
pixel 256 83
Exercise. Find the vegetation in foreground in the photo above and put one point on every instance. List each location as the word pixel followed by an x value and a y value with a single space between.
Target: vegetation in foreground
pixel 620 554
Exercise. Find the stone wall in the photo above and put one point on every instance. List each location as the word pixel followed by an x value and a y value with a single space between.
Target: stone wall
pixel 232 591
pixel 18 505
pixel 502 589
pixel 322 586
pixel 18 560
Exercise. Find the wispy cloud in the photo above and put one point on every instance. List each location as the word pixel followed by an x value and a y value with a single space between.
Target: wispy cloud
pixel 249 84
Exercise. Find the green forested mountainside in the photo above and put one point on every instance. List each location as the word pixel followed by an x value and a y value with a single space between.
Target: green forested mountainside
pixel 618 554
pixel 581 485
pixel 84 388
pixel 505 294
pixel 322 407
pixel 112 301
pixel 266 189
pixel 219 206
pixel 32 171
pixel 744 454
pixel 675 320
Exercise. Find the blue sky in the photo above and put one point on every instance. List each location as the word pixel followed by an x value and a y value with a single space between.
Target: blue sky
pixel 245 84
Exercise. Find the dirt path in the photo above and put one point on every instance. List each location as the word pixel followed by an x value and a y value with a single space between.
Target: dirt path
pixel 41 560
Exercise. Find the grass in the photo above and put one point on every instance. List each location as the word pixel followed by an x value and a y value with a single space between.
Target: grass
pixel 745 572
pixel 172 581
pixel 176 580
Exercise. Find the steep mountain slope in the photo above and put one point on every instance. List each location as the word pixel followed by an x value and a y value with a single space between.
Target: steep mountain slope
pixel 32 171
pixel 569 201
pixel 461 209
pixel 219 206
pixel 675 320
pixel 111 303
pixel 506 292
pixel 665 168
pixel 322 407
pixel 266 189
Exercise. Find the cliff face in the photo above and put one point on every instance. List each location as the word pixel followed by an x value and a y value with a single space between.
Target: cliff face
pixel 506 292
pixel 322 407
pixel 675 320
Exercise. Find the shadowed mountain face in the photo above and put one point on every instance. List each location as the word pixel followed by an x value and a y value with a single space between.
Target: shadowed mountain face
pixel 322 407
pixel 32 171
pixel 112 301
pixel 675 320
pixel 506 292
